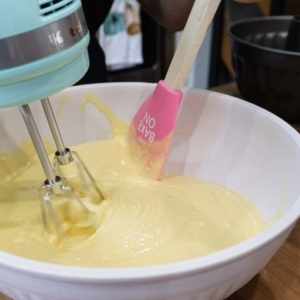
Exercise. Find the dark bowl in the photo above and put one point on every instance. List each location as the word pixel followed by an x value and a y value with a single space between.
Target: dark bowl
pixel 266 74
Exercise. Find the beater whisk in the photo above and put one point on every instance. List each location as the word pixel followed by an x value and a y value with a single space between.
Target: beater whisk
pixel 54 185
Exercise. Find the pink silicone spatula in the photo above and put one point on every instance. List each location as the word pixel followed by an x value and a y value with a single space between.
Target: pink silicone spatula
pixel 152 127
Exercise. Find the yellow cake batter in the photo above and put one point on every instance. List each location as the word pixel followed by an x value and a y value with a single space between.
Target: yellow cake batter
pixel 140 221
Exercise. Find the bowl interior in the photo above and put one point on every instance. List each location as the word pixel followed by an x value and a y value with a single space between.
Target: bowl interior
pixel 218 138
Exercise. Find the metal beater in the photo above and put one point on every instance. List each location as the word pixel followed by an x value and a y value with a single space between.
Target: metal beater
pixel 64 156
pixel 54 185
pixel 43 51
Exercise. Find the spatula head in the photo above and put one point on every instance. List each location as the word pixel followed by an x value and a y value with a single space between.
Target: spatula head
pixel 151 131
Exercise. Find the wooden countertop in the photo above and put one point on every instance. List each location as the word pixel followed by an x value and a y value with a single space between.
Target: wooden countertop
pixel 280 279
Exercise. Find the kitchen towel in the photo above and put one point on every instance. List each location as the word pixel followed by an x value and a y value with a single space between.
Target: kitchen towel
pixel 120 36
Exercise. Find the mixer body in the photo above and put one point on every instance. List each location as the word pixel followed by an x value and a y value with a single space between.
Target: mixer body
pixel 43 48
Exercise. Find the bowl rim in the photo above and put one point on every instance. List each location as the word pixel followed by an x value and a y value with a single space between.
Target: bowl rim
pixel 259 47
pixel 191 266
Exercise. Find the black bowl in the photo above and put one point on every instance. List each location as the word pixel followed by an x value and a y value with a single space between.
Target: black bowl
pixel 266 74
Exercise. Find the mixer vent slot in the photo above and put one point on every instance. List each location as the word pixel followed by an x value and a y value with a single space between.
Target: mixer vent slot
pixel 49 7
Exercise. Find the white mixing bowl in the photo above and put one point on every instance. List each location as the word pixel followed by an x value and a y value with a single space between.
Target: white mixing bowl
pixel 219 138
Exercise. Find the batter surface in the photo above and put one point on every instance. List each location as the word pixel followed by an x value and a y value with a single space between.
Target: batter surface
pixel 139 222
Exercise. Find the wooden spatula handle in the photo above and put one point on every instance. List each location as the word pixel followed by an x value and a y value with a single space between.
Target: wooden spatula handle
pixel 192 37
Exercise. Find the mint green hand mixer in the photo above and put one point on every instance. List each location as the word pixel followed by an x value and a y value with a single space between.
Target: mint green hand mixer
pixel 43 50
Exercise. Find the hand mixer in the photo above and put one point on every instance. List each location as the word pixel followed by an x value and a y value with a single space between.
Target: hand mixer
pixel 43 49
